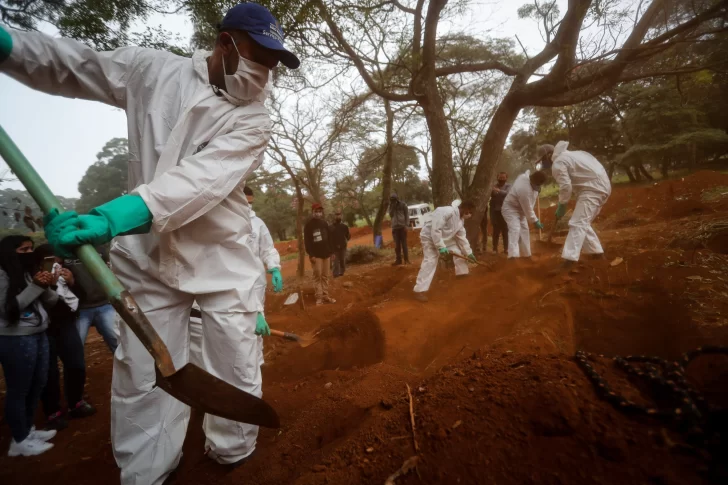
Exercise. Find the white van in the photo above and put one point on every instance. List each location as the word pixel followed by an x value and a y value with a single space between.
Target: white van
pixel 419 214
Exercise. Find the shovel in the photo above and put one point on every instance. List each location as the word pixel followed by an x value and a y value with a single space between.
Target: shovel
pixel 190 384
pixel 470 260
pixel 302 340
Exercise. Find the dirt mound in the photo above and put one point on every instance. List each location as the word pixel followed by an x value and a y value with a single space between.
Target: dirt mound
pixel 353 339
pixel 508 419
pixel 683 208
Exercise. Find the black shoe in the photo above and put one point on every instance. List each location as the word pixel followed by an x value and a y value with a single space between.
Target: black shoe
pixel 397 263
pixel 82 410
pixel 56 421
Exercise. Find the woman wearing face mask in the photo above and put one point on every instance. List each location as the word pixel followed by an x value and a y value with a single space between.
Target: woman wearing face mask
pixel 23 342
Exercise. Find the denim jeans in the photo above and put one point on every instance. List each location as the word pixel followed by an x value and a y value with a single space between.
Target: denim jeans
pixel 101 317
pixel 24 360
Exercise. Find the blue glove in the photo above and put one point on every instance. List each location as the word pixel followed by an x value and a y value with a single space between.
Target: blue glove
pixel 124 215
pixel 6 44
pixel 261 326
pixel 471 257
pixel 277 279
pixel 444 251
pixel 539 225
pixel 560 210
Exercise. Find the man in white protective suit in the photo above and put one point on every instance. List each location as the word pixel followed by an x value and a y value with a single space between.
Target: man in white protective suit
pixel 197 129
pixel 442 234
pixel 518 211
pixel 579 172
pixel 262 245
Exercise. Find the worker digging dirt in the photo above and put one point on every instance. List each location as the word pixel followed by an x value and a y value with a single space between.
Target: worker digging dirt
pixel 443 233
pixel 580 172
pixel 198 128
pixel 518 212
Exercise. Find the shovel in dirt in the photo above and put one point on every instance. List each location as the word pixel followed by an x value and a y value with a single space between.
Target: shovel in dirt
pixel 302 340
pixel 190 384
pixel 470 260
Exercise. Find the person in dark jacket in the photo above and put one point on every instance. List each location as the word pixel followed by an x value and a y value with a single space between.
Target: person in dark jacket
pixel 497 196
pixel 316 238
pixel 399 213
pixel 340 236
pixel 64 343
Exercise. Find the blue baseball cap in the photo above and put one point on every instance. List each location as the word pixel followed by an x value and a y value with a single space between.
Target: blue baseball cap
pixel 262 26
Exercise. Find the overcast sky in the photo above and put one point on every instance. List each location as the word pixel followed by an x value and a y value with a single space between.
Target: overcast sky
pixel 61 136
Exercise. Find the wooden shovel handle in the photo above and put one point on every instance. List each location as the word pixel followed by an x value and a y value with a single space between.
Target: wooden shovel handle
pixel 286 335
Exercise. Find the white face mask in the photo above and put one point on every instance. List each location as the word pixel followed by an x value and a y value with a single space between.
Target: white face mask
pixel 249 83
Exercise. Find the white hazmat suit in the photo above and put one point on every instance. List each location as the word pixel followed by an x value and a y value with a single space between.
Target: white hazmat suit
pixel 445 229
pixel 261 243
pixel 191 151
pixel 580 172
pixel 518 212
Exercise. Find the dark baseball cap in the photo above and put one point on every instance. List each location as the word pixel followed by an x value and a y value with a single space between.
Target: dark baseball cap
pixel 262 26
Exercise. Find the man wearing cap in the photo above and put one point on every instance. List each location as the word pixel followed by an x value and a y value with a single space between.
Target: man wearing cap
pixel 317 240
pixel 197 129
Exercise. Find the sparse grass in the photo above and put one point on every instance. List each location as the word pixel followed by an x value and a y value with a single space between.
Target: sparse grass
pixel 289 257
pixel 714 194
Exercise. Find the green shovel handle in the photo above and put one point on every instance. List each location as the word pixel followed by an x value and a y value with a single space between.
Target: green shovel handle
pixel 119 297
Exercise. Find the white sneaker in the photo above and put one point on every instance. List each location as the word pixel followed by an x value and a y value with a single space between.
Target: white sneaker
pixel 28 447
pixel 41 435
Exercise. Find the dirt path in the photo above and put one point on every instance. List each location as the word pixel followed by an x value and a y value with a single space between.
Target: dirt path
pixel 497 396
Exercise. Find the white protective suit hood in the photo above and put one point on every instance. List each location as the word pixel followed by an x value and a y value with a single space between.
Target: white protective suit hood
pixel 560 148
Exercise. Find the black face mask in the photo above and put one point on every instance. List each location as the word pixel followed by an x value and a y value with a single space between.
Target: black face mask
pixel 27 261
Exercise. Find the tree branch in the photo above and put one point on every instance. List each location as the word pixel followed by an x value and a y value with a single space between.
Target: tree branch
pixel 476 67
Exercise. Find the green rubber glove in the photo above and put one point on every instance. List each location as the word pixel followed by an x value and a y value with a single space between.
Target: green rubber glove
pixel 539 225
pixel 277 279
pixel 560 210
pixel 471 257
pixel 124 215
pixel 444 251
pixel 261 326
pixel 53 225
pixel 6 44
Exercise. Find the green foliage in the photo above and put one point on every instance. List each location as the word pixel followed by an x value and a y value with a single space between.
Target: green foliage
pixel 274 203
pixel 107 178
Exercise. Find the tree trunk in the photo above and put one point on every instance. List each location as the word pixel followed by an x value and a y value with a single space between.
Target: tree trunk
pixel 664 167
pixel 610 170
pixel 629 173
pixel 386 172
pixel 442 171
pixel 490 153
pixel 641 169
pixel 301 268
pixel 637 173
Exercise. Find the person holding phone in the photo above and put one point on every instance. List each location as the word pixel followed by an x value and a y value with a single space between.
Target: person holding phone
pixel 64 343
pixel 23 342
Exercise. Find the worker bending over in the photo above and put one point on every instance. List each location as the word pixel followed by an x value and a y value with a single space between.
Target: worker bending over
pixel 580 172
pixel 442 234
pixel 197 129
pixel 518 212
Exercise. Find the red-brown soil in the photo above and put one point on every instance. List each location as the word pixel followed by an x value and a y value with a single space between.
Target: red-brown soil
pixel 497 395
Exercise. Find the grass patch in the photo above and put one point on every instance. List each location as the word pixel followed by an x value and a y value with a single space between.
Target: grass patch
pixel 289 257
pixel 714 194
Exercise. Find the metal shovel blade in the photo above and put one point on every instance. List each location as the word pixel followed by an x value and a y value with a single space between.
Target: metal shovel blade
pixel 200 389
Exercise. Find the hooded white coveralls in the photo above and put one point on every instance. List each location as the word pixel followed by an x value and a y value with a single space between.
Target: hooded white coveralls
pixel 261 243
pixel 581 172
pixel 518 212
pixel 445 229
pixel 191 151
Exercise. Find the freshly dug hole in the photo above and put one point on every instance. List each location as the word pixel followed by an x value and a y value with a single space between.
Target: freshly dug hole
pixel 353 339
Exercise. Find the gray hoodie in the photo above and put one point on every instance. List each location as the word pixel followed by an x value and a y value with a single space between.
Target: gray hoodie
pixel 33 317
pixel 399 213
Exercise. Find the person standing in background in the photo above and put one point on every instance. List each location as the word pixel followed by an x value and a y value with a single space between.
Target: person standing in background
pixel 318 247
pixel 497 196
pixel 64 343
pixel 399 213
pixel 24 295
pixel 94 308
pixel 340 236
